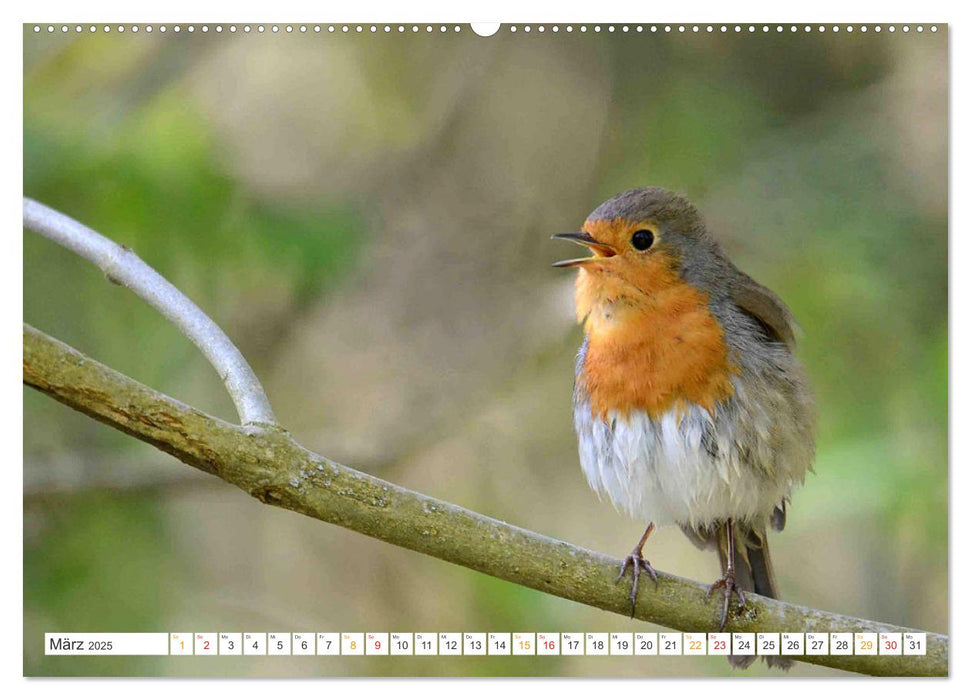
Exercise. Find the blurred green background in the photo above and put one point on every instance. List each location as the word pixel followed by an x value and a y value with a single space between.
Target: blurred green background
pixel 368 217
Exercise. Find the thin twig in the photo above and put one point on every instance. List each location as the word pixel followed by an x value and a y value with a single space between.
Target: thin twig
pixel 123 267
pixel 269 465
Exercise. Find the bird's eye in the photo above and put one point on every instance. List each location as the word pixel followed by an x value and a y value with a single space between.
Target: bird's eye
pixel 642 240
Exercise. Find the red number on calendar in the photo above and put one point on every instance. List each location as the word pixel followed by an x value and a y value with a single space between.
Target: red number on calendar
pixel 719 645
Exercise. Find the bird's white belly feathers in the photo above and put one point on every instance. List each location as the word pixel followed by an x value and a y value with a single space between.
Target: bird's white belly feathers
pixel 669 470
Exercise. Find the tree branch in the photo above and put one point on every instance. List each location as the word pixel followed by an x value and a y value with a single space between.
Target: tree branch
pixel 123 267
pixel 269 465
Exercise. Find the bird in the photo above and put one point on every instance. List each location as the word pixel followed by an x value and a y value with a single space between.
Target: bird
pixel 689 404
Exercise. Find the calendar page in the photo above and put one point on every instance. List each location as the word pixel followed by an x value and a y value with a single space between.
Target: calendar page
pixel 449 349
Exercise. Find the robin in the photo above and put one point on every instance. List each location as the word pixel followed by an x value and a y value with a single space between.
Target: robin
pixel 690 406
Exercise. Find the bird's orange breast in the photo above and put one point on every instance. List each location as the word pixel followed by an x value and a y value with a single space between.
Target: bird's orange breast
pixel 651 348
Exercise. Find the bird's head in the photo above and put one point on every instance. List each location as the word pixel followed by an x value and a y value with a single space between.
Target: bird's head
pixel 641 242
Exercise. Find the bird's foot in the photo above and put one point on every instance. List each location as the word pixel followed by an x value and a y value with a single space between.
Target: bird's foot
pixel 728 583
pixel 636 563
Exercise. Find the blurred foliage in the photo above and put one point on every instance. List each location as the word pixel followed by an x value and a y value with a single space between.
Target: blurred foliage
pixel 154 183
pixel 366 216
pixel 104 565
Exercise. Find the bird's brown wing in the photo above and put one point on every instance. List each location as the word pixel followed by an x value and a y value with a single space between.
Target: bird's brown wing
pixel 765 306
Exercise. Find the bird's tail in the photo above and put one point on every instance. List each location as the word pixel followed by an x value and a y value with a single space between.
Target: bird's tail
pixel 753 572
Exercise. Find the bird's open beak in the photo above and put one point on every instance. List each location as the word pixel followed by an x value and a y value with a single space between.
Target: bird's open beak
pixel 600 250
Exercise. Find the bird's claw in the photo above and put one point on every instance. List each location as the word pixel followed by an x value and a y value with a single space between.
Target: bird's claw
pixel 728 583
pixel 636 563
